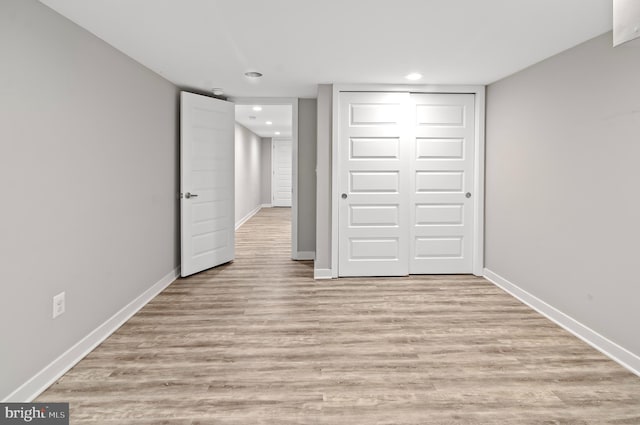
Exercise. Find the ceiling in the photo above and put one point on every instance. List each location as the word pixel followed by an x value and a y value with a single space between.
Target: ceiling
pixel 298 44
pixel 280 117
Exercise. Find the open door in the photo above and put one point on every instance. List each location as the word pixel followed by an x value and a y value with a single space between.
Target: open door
pixel 206 182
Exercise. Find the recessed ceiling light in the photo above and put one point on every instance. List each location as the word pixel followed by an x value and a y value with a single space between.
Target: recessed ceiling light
pixel 269 123
pixel 257 108
pixel 253 74
pixel 413 76
pixel 277 133
pixel 217 92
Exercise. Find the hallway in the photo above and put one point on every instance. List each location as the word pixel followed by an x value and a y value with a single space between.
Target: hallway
pixel 259 341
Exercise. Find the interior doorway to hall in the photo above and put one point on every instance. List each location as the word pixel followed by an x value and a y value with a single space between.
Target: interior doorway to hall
pixel 265 160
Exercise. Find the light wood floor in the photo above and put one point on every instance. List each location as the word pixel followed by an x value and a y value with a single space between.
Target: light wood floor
pixel 260 342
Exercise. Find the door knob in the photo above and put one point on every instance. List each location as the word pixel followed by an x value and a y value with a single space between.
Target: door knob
pixel 189 195
pixel 344 196
pixel 468 194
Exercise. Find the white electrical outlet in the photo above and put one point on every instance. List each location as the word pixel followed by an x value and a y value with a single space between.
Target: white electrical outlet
pixel 58 305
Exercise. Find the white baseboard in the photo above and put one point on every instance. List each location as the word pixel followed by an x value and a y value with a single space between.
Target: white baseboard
pixel 52 372
pixel 322 274
pixel 267 206
pixel 607 347
pixel 248 216
pixel 306 255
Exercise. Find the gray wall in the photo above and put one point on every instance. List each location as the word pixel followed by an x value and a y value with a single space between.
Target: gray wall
pixel 323 178
pixel 265 171
pixel 562 204
pixel 248 160
pixel 307 119
pixel 89 176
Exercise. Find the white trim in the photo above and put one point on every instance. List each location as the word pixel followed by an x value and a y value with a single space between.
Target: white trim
pixel 294 180
pixel 478 182
pixel 322 274
pixel 267 206
pixel 54 370
pixel 293 101
pixel 306 255
pixel 333 165
pixel 601 343
pixel 479 92
pixel 248 216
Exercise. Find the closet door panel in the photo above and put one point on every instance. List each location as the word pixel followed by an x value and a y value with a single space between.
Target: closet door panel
pixel 374 184
pixel 441 166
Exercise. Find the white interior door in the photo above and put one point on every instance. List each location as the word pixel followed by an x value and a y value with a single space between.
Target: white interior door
pixel 281 160
pixel 441 213
pixel 206 182
pixel 374 184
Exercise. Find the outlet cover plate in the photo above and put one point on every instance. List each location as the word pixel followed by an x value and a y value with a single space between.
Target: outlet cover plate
pixel 59 306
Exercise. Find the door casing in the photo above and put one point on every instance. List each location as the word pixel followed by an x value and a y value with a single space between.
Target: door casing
pixel 479 154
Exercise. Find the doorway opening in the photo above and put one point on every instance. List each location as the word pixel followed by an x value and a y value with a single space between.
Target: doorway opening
pixel 266 158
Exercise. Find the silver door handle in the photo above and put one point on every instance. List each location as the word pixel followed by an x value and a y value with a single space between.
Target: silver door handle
pixel 189 195
pixel 468 194
pixel 344 196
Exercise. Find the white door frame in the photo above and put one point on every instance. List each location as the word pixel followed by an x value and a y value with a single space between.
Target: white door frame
pixel 293 101
pixel 478 190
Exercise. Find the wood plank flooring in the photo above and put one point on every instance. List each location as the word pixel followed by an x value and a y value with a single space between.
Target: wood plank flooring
pixel 259 341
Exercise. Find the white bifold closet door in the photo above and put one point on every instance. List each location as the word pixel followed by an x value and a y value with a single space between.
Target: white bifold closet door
pixel 405 180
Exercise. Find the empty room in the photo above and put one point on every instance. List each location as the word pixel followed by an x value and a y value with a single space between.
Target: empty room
pixel 320 212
